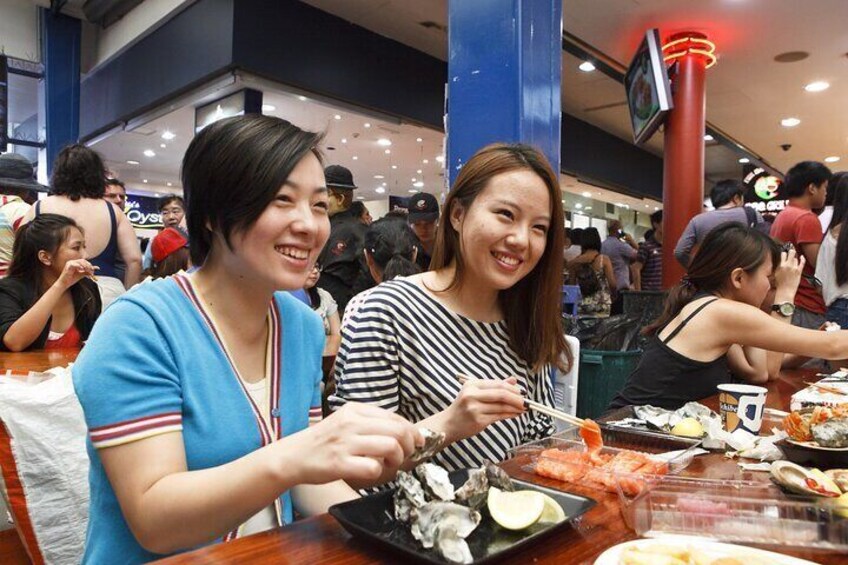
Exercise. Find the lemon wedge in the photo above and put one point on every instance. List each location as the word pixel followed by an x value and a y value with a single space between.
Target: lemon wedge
pixel 552 513
pixel 515 510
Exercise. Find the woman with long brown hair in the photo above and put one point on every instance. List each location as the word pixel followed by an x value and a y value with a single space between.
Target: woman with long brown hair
pixel 489 308
pixel 712 324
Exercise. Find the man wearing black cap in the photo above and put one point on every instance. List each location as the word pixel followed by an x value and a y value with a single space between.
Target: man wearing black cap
pixel 16 180
pixel 423 218
pixel 344 271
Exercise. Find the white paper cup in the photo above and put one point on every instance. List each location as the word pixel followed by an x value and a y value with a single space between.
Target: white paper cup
pixel 741 406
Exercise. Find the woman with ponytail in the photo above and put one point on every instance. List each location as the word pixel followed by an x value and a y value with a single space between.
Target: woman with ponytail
pixel 712 324
pixel 46 301
pixel 832 262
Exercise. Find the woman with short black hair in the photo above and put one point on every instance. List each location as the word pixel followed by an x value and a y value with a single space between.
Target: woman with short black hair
pixel 202 392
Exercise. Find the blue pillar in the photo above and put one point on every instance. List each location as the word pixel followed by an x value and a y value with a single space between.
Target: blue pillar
pixel 61 37
pixel 504 76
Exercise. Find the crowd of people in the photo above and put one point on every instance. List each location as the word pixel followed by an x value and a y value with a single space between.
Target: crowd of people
pixel 281 350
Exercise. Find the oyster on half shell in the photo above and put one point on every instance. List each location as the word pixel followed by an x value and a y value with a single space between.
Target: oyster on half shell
pixel 801 480
pixel 840 477
pixel 435 481
pixel 498 477
pixel 409 495
pixel 832 433
pixel 474 491
pixel 437 520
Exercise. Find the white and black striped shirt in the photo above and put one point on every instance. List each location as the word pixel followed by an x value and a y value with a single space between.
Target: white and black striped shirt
pixel 402 350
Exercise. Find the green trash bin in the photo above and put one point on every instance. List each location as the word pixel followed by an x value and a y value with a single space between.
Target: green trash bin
pixel 602 375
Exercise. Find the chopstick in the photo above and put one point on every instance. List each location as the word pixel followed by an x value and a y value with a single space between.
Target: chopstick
pixel 825 388
pixel 538 407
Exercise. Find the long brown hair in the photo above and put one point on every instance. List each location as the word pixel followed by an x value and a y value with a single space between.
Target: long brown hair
pixel 838 188
pixel 532 306
pixel 727 247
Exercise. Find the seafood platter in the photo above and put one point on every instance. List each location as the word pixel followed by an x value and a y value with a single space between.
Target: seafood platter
pixel 465 516
pixel 818 436
pixel 685 550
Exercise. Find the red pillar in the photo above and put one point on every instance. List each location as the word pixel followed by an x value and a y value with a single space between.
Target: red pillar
pixel 683 163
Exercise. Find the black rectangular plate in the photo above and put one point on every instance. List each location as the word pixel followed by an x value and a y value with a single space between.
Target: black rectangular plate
pixel 641 439
pixel 372 518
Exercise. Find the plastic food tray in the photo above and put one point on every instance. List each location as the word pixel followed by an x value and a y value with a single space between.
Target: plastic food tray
pixel 595 477
pixel 731 510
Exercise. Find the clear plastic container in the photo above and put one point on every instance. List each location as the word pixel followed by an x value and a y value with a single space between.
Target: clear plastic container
pixel 732 511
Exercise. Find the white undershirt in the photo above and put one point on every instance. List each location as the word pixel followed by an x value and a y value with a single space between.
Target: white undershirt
pixel 266 518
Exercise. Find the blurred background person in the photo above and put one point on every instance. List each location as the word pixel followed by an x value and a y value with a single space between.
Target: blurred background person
pixel 572 244
pixel 170 254
pixel 593 272
pixel 832 260
pixel 172 210
pixel 16 179
pixel 647 269
pixel 424 219
pixel 116 192
pixel 621 249
pixel 361 213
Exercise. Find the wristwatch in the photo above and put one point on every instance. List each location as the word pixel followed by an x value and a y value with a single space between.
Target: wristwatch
pixel 785 309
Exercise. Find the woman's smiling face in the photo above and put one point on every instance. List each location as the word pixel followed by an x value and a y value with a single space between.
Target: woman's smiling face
pixel 504 231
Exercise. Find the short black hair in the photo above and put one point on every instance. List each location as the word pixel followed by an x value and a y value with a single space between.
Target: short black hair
pixel 656 217
pixel 576 234
pixel 78 172
pixel 726 190
pixel 168 199
pixel 590 239
pixel 114 181
pixel 803 175
pixel 233 169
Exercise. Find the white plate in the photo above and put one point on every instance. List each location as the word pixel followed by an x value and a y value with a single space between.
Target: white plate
pixel 612 556
pixel 814 445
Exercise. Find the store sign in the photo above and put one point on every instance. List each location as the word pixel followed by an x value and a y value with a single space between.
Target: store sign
pixel 764 192
pixel 143 212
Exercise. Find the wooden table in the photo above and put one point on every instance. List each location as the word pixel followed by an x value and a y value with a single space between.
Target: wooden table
pixel 37 360
pixel 322 540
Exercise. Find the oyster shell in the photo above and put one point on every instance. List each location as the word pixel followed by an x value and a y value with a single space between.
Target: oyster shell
pixel 474 491
pixel 498 478
pixel 840 477
pixel 452 547
pixel 832 433
pixel 435 481
pixel 801 480
pixel 409 494
pixel 437 519
pixel 433 442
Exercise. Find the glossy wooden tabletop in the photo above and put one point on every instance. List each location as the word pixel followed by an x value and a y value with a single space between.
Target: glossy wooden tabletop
pixel 322 540
pixel 37 360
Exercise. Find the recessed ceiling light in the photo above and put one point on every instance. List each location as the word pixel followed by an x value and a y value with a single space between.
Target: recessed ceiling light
pixel 440 159
pixel 646 205
pixel 149 153
pixel 744 160
pixel 418 184
pixel 337 117
pixel 360 198
pixel 302 98
pixel 268 107
pixel 418 171
pixel 426 161
pixel 355 157
pixel 131 162
pixel 379 177
pixel 586 67
pixel 418 139
pixel 831 159
pixel 412 191
pixel 367 125
pixel 162 145
pixel 414 179
pixel 708 137
pixel 388 151
pixel 588 208
pixel 168 135
pixel 817 86
pixel 790 122
pixel 144 181
pixel 394 166
pixel 656 207
pixel 169 184
pixel 578 205
pixel 384 142
pixel 344 140
pixel 587 194
pixel 384 183
pixel 379 190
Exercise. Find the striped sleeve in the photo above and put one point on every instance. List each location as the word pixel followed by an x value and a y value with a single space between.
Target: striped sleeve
pixel 126 378
pixel 541 425
pixel 367 364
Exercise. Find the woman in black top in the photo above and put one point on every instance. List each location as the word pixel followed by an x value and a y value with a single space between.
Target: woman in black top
pixel 712 322
pixel 46 301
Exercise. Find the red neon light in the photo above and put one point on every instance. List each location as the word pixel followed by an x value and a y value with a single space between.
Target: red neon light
pixel 690 44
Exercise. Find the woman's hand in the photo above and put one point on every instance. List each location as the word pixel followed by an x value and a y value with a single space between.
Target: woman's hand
pixel 787 275
pixel 359 442
pixel 480 403
pixel 74 270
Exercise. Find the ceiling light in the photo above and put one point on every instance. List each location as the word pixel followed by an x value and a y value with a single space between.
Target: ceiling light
pixel 817 86
pixel 162 145
pixel 302 98
pixel 379 177
pixel 379 190
pixel 169 184
pixel 367 125
pixel 344 140
pixel 708 137
pixel 149 153
pixel 268 107
pixel 394 166
pixel 656 207
pixel 384 142
pixel 144 181
pixel 587 194
pixel 646 205
pixel 418 171
pixel 790 122
pixel 744 160
pixel 440 159
pixel 418 139
pixel 388 151
pixel 586 67
pixel 168 135
pixel 426 161
pixel 384 184
pixel 578 205
pixel 831 159
pixel 412 191
pixel 355 157
pixel 418 184
pixel 414 179
pixel 131 162
pixel 588 208
pixel 360 198
pixel 337 117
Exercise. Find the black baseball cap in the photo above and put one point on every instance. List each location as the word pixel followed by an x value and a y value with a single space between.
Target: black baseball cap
pixel 423 207
pixel 339 177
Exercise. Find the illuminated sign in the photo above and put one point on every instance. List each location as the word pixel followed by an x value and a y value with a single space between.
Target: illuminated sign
pixel 764 192
pixel 143 212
